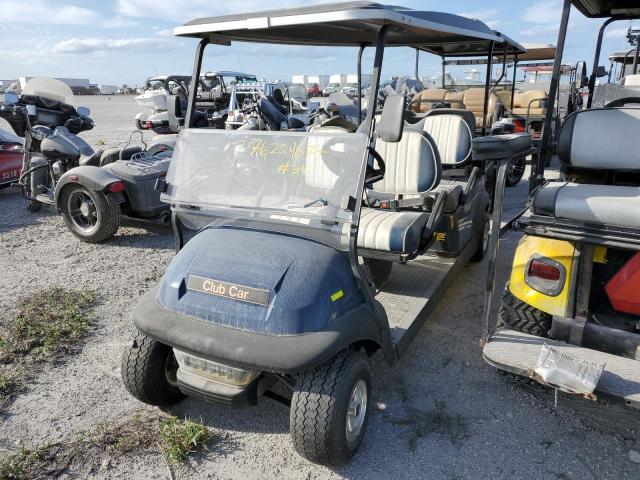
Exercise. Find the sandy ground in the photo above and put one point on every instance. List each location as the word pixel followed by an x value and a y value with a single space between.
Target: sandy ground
pixel 467 419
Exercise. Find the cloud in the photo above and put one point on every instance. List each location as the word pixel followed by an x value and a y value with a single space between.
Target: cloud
pixel 92 45
pixel 617 33
pixel 165 32
pixel 546 11
pixel 540 30
pixel 45 12
pixel 488 16
pixel 119 22
pixel 181 11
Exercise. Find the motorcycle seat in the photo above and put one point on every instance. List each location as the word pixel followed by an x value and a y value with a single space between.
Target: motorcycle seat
pixel 111 155
pixel 92 160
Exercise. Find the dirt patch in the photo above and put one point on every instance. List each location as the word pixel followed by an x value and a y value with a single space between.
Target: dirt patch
pixel 49 325
pixel 88 452
pixel 421 423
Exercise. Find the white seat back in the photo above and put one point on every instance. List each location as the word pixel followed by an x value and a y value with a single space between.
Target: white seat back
pixel 452 136
pixel 412 164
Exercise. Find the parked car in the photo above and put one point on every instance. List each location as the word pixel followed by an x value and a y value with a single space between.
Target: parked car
pixel 11 151
pixel 313 89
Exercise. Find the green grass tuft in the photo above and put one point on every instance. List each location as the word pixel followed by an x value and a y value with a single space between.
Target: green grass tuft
pixel 180 438
pixel 49 324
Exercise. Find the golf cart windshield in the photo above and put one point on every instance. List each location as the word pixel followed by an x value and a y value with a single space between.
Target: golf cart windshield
pixel 49 91
pixel 305 178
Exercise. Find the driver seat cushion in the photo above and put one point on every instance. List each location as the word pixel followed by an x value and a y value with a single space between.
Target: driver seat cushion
pixel 389 231
pixel 423 100
pixel 602 204
pixel 92 160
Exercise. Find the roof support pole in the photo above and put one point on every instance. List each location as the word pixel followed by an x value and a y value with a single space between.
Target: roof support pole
pixel 375 79
pixel 537 174
pixel 443 72
pixel 487 84
pixel 513 83
pixel 635 57
pixel 195 80
pixel 596 60
pixel 360 83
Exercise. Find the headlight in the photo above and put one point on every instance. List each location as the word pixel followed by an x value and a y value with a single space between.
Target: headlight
pixel 214 371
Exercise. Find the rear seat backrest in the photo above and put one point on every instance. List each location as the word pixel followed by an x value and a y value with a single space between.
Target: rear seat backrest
pixel 473 99
pixel 412 164
pixel 452 133
pixel 601 139
pixel 521 102
pixel 427 96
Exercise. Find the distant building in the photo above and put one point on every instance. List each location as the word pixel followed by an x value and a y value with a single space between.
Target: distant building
pixel 108 89
pixel 81 83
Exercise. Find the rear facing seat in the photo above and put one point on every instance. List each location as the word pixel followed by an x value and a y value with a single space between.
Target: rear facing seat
pixel 521 101
pixel 596 140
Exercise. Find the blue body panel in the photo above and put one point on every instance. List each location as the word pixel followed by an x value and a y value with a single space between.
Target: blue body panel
pixel 301 276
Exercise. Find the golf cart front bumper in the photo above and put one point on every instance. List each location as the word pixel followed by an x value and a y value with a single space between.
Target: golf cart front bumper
pixel 518 353
pixel 230 346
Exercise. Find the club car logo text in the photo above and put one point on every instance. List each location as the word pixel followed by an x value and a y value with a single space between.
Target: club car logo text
pixel 258 296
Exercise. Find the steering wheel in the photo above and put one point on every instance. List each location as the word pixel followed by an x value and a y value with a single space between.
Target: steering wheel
pixel 620 102
pixel 373 175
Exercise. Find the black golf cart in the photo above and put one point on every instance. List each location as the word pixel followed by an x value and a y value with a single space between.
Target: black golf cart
pixel 314 249
pixel 570 313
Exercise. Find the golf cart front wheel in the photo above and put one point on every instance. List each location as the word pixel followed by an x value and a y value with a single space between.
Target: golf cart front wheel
pixel 88 214
pixel 149 372
pixel 330 409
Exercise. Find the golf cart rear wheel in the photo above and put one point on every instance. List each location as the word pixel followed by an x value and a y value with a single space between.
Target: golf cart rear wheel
pixel 483 239
pixel 515 171
pixel 517 315
pixel 34 205
pixel 149 372
pixel 88 214
pixel 330 409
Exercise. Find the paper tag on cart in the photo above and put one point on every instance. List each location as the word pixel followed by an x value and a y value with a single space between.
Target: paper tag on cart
pixel 565 372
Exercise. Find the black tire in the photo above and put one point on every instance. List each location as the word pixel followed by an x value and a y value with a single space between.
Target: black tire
pixel 101 223
pixel 515 171
pixel 517 315
pixel 380 270
pixel 321 399
pixel 34 205
pixel 148 372
pixel 483 239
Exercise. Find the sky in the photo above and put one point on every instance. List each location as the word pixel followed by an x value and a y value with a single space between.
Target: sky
pixel 125 41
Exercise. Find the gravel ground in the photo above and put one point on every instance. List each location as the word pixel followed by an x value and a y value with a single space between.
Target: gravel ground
pixel 441 413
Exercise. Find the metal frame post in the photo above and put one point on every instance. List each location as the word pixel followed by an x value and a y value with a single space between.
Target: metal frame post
pixel 487 84
pixel 360 82
pixel 513 84
pixel 545 151
pixel 417 64
pixel 635 57
pixel 195 79
pixel 596 60
pixel 443 71
pixel 375 78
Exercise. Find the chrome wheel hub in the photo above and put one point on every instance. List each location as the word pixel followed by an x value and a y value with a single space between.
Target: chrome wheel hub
pixel 357 410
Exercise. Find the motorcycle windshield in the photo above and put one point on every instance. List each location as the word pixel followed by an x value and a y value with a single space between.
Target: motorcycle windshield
pixel 312 179
pixel 49 89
